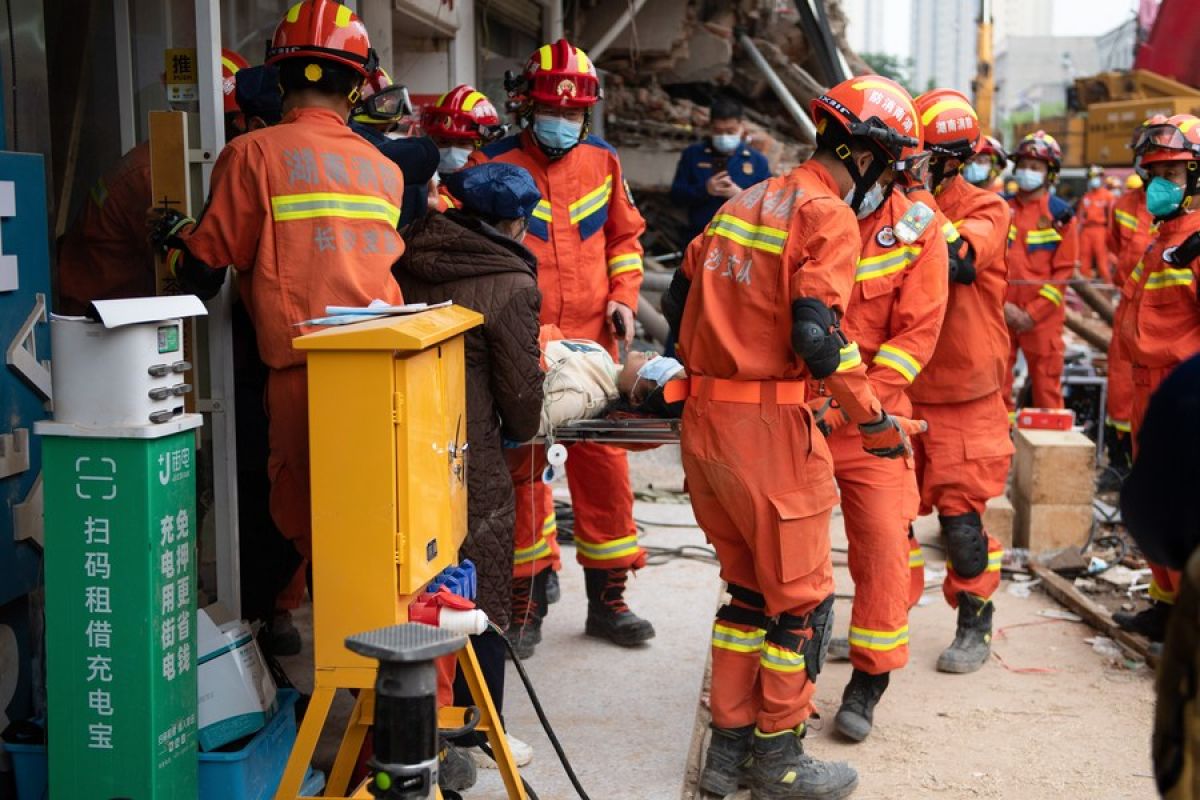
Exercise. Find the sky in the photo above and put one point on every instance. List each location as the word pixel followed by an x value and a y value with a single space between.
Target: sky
pixel 1071 18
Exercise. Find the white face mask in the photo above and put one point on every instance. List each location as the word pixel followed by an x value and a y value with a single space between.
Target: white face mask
pixel 453 159
pixel 1029 179
pixel 871 201
pixel 726 142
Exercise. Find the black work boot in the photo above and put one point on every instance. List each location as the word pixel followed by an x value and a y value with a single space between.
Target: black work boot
pixel 528 608
pixel 456 768
pixel 973 640
pixel 727 762
pixel 608 616
pixel 1150 622
pixel 553 590
pixel 782 771
pixel 862 693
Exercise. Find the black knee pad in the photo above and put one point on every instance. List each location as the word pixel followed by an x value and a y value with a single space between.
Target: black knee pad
pixel 747 597
pixel 816 646
pixel 966 544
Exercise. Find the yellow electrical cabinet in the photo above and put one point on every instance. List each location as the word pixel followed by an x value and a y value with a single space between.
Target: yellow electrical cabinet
pixel 388 435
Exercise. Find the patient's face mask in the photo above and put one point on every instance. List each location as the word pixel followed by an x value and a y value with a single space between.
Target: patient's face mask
pixel 660 370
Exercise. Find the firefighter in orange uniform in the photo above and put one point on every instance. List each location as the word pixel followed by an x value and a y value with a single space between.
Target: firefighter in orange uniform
pixel 1161 327
pixel 1095 213
pixel 1042 248
pixel 757 305
pixel 963 461
pixel 305 212
pixel 104 255
pixel 585 234
pixel 985 166
pixel 894 314
pixel 460 122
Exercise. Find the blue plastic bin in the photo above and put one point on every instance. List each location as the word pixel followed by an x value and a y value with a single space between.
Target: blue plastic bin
pixel 251 773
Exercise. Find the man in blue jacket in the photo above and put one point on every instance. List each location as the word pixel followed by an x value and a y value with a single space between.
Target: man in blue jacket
pixel 715 169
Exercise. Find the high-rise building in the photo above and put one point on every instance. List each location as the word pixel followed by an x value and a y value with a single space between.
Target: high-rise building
pixel 943 44
pixel 871 24
pixel 1020 18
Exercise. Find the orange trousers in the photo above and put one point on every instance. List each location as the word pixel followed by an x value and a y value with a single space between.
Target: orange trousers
pixel 1043 348
pixel 1119 401
pixel 1164 582
pixel 879 502
pixel 287 465
pixel 1093 252
pixel 605 534
pixel 762 487
pixel 962 462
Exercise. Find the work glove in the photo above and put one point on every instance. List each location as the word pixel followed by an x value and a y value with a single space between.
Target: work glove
pixel 827 414
pixel 165 225
pixel 888 437
pixel 962 262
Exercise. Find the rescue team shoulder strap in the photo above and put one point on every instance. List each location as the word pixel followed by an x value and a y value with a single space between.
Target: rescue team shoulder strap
pixel 1060 210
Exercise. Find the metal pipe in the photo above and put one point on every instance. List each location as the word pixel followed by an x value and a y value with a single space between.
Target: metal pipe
pixel 595 51
pixel 552 20
pixel 797 113
pixel 126 116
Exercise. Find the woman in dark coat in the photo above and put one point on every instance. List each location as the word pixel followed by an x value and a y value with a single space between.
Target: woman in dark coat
pixel 473 256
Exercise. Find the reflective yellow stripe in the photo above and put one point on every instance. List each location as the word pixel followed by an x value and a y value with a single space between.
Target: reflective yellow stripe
pixel 916 558
pixel 995 559
pixel 880 641
pixel 1186 125
pixel 545 56
pixel 583 60
pixel 542 211
pixel 886 264
pixel 1167 277
pixel 618 265
pixel 727 638
pixel 777 659
pixel 1043 236
pixel 758 237
pixel 293 13
pixel 314 205
pixel 472 100
pixel 1051 293
pixel 892 356
pixel 950 232
pixel 1120 425
pixel 1136 275
pixel 100 193
pixel 228 64
pixel 526 555
pixel 342 18
pixel 550 524
pixel 1012 233
pixel 1125 219
pixel 1159 594
pixel 591 202
pixel 947 105
pixel 850 358
pixel 607 551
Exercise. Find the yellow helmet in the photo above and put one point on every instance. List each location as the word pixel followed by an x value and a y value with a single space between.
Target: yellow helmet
pixel 1134 181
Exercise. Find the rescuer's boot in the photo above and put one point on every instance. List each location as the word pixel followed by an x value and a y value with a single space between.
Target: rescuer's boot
pixel 456 768
pixel 973 640
pixel 782 771
pixel 553 590
pixel 727 762
pixel 525 626
pixel 608 615
pixel 862 693
pixel 1150 622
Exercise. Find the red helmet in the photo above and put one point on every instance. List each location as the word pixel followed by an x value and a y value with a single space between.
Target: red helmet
pixel 873 108
pixel 323 29
pixel 231 62
pixel 381 100
pixel 950 125
pixel 1041 146
pixel 992 147
pixel 463 114
pixel 1177 139
pixel 558 74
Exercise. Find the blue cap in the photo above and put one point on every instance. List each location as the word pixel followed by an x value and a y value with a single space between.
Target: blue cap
pixel 494 191
pixel 258 94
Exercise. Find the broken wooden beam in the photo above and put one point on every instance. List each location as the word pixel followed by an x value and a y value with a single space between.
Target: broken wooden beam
pixel 1090 295
pixel 1080 328
pixel 1092 612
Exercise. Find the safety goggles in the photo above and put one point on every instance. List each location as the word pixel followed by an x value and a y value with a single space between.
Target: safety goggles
pixel 915 167
pixel 1162 137
pixel 389 105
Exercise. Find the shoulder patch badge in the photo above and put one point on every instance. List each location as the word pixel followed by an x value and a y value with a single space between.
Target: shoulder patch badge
pixel 886 237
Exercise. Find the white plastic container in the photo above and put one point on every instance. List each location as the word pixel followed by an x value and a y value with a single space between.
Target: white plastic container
pixel 237 695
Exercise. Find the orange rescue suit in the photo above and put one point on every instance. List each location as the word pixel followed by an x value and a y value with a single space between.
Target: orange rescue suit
pixel 1128 237
pixel 895 313
pixel 585 234
pixel 1095 212
pixel 760 474
pixel 107 254
pixel 306 212
pixel 1160 330
pixel 962 462
pixel 1042 251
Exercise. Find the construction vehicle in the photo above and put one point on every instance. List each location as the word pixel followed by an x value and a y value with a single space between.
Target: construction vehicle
pixel 984 84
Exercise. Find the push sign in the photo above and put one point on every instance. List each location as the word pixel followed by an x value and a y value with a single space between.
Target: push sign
pixel 183 84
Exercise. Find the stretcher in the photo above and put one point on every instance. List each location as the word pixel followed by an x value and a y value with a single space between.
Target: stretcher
pixel 627 430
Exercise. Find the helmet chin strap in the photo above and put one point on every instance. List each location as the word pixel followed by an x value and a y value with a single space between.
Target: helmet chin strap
pixel 863 181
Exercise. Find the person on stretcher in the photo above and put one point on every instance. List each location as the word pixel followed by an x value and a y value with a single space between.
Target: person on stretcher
pixel 584 382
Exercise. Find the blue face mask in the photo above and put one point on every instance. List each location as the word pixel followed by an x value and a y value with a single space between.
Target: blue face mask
pixel 1163 197
pixel 976 172
pixel 726 142
pixel 1093 183
pixel 557 133
pixel 659 370
pixel 1029 179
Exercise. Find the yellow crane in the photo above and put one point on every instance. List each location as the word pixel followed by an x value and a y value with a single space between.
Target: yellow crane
pixel 984 85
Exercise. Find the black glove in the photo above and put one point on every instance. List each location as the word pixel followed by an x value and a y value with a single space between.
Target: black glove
pixel 165 230
pixel 962 262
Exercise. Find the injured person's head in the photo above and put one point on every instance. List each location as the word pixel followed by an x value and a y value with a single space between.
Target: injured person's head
pixel 643 373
